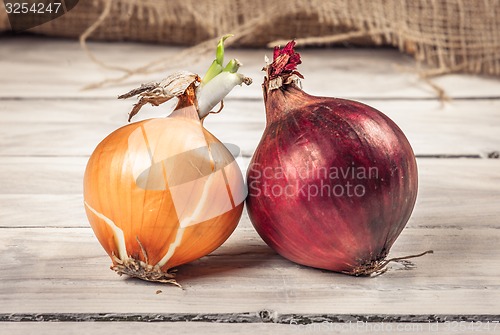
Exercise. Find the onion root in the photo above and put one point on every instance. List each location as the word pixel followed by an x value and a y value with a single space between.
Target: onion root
pixel 139 269
pixel 378 267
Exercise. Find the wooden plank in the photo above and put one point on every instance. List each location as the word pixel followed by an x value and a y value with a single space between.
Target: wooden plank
pixel 52 270
pixel 76 127
pixel 42 175
pixel 51 262
pixel 189 328
pixel 469 228
pixel 468 225
pixel 35 67
pixel 47 192
pixel 42 210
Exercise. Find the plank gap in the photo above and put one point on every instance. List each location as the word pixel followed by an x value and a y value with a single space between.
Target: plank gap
pixel 45 227
pixel 492 155
pixel 448 156
pixel 263 316
pixel 44 156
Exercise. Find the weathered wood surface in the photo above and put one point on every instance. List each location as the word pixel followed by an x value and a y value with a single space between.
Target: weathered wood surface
pixel 65 127
pixel 53 268
pixel 58 68
pixel 47 192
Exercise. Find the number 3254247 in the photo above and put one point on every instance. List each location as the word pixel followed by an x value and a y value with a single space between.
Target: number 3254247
pixel 32 8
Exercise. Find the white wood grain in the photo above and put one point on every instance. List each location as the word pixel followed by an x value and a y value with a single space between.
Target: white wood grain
pixel 50 261
pixel 47 192
pixel 35 67
pixel 42 210
pixel 76 127
pixel 42 175
pixel 54 270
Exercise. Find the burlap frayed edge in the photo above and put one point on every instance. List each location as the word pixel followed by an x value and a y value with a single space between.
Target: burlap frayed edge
pixel 188 56
pixel 427 43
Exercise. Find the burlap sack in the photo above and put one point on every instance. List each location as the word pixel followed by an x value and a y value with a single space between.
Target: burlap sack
pixel 448 35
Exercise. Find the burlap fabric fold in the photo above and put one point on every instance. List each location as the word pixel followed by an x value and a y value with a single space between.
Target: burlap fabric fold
pixel 447 35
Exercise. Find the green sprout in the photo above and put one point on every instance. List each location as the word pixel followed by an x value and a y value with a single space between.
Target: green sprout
pixel 217 66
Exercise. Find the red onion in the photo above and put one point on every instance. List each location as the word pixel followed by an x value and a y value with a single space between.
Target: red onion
pixel 333 182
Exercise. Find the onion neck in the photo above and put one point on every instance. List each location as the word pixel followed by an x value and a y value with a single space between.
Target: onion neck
pixel 281 101
pixel 187 99
pixel 282 92
pixel 187 105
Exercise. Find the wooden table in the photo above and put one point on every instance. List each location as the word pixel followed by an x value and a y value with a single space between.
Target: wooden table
pixel 53 268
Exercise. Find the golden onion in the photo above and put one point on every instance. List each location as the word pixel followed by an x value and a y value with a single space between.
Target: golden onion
pixel 163 192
